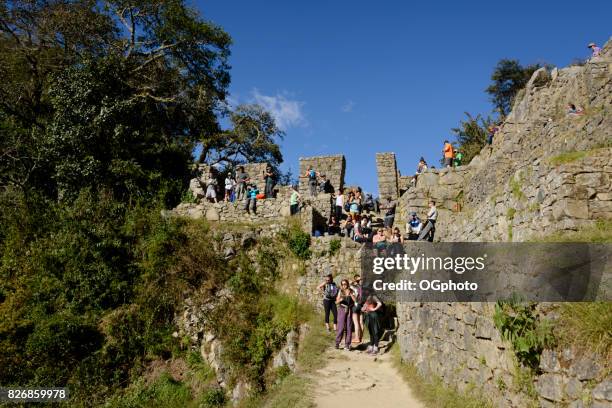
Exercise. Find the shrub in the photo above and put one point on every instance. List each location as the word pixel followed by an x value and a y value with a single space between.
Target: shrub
pixel 528 335
pixel 334 246
pixel 299 243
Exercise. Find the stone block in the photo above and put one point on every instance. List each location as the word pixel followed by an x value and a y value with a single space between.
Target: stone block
pixel 550 387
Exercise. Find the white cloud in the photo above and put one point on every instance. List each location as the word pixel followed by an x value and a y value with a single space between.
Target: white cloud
pixel 348 106
pixel 287 112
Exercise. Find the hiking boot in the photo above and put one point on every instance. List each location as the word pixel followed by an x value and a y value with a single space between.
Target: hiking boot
pixel 374 350
pixel 337 346
pixel 348 348
pixel 369 349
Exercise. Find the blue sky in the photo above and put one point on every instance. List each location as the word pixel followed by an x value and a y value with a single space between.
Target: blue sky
pixel 356 77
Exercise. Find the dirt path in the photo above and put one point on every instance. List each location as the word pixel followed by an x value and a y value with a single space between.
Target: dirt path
pixel 358 379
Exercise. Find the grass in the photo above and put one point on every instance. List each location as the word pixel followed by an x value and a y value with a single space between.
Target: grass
pixel 600 232
pixel 515 186
pixel 510 213
pixel 434 393
pixel 570 157
pixel 295 390
pixel 586 326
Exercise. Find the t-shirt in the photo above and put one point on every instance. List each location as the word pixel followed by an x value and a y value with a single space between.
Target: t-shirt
pixel 448 150
pixel 312 175
pixel 459 156
pixel 253 193
pixel 390 208
pixel 340 200
pixel 228 183
pixel 294 198
pixel 414 223
pixel 242 177
pixel 354 208
pixel 596 51
pixel 432 214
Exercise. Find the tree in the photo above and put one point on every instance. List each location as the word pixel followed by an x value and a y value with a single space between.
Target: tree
pixel 252 137
pixel 162 60
pixel 471 135
pixel 508 77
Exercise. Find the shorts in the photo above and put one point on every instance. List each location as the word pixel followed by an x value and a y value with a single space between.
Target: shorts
pixel 448 161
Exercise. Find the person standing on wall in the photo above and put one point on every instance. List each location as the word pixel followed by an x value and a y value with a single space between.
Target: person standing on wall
pixel 389 213
pixel 339 204
pixel 448 154
pixel 430 225
pixel 269 179
pixel 242 179
pixel 330 291
pixel 294 205
pixel 312 176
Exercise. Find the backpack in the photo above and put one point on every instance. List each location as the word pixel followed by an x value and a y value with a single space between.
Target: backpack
pixel 330 291
pixel 312 175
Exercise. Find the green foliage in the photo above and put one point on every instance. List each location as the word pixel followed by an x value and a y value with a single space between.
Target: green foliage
pixel 586 326
pixel 528 335
pixel 508 77
pixel 567 157
pixel 299 242
pixel 334 246
pixel 600 232
pixel 471 135
pixel 164 392
pixel 115 99
pixel 96 284
pixel 252 138
pixel 510 213
pixel 515 187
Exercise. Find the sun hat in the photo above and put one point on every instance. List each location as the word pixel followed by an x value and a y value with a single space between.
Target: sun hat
pixel 591 45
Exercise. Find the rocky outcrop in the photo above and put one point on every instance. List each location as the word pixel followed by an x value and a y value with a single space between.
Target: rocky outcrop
pixel 546 170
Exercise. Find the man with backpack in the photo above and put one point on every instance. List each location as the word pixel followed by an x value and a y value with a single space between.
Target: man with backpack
pixel 312 181
pixel 330 291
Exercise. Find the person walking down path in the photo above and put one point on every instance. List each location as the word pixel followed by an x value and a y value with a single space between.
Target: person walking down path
pixel 448 154
pixel 294 205
pixel 330 291
pixel 345 300
pixel 430 225
pixel 372 316
pixel 357 315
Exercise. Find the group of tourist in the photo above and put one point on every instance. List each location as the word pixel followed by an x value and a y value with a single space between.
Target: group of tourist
pixel 239 186
pixel 352 311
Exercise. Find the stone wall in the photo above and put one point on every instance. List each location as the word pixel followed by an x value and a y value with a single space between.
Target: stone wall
pixel 332 166
pixel 343 265
pixel 546 171
pixel 267 209
pixel 386 171
pixel 459 343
